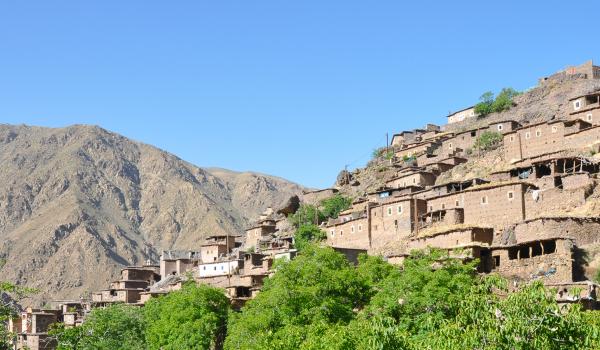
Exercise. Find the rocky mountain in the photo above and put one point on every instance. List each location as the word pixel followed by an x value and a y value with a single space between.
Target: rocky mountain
pixel 78 203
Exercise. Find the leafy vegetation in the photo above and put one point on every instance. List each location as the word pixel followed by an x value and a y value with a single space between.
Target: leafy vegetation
pixel 330 207
pixel 488 140
pixel 194 317
pixel 383 153
pixel 319 301
pixel 488 104
pixel 307 234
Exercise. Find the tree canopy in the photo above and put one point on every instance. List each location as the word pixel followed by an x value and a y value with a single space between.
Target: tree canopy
pixel 488 104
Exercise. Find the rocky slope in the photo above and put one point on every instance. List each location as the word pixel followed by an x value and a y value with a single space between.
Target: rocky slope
pixel 78 203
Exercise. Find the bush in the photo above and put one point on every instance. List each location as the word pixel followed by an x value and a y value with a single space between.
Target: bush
pixel 333 206
pixel 307 214
pixel 488 140
pixel 308 234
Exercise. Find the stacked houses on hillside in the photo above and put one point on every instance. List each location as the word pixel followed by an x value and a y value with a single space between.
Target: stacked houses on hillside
pixel 515 220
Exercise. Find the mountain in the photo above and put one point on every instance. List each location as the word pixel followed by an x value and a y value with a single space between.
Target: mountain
pixel 79 203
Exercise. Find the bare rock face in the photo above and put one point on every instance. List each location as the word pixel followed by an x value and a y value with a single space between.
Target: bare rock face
pixel 79 203
pixel 291 206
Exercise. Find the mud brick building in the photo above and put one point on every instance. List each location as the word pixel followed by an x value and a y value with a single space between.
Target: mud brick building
pixel 461 115
pixel 586 107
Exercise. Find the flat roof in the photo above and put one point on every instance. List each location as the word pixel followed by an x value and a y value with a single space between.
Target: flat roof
pixel 461 110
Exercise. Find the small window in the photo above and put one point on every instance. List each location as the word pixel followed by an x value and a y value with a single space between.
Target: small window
pixel 414 180
pixel 484 200
pixel 450 145
pixel 443 206
pixel 399 209
pixel 589 117
pixel 457 203
pixel 538 133
pixel 332 233
pixel 352 229
pixel 395 223
pixel 497 260
pixel 431 208
pixel 527 135
pixel 577 105
pixel 554 129
pixel 341 233
pixel 500 127
pixel 359 228
pixel 204 268
pixel 222 267
pixel 473 133
pixel 512 139
pixel 389 211
pixel 511 195
pixel 215 268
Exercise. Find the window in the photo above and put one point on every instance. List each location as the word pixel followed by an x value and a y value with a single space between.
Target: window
pixel 215 268
pixel 554 128
pixel 222 267
pixel 414 180
pixel 473 133
pixel 395 223
pixel 332 233
pixel 341 233
pixel 457 203
pixel 512 139
pixel 399 209
pixel 589 117
pixel 527 135
pixel 577 105
pixel 450 145
pixel 375 228
pixel 352 229
pixel 496 260
pixel 389 211
pixel 443 206
pixel 511 195
pixel 204 268
pixel 431 208
pixel 484 200
pixel 538 133
pixel 359 228
pixel 500 127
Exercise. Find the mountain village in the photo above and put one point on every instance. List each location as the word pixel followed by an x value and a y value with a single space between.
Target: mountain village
pixel 514 220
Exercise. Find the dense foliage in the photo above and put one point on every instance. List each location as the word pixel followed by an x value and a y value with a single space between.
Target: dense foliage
pixel 333 206
pixel 488 140
pixel 308 234
pixel 319 301
pixel 194 317
pixel 488 104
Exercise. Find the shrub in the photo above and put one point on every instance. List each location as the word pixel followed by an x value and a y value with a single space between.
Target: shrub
pixel 488 141
pixel 333 206
pixel 308 234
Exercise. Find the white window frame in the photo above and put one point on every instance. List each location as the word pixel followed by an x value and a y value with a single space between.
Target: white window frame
pixel 510 195
pixel 500 127
pixel 400 209
pixel 538 133
pixel 352 229
pixel 577 105
pixel 589 117
pixel 389 211
pixel 554 129
pixel 528 135
pixel 512 138
pixel 484 200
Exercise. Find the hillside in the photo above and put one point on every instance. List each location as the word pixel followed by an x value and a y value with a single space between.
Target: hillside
pixel 78 203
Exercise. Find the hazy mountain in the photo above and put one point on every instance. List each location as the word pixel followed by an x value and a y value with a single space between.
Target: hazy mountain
pixel 78 203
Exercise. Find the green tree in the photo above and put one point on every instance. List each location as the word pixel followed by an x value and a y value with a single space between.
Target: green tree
pixel 307 214
pixel 307 234
pixel 486 101
pixel 116 327
pixel 488 140
pixel 194 317
pixel 306 297
pixel 333 206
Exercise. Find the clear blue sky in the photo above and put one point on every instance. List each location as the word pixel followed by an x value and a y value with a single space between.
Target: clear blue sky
pixel 296 89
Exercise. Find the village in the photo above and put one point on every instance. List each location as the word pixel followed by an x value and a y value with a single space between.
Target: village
pixel 512 221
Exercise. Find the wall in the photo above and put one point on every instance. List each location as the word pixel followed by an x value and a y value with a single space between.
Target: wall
pixel 453 239
pixel 416 179
pixel 499 209
pixel 534 140
pixel 553 268
pixel 461 115
pixel 349 234
pixel 218 268
pixel 394 220
pixel 212 252
pixel 583 231
pixel 553 201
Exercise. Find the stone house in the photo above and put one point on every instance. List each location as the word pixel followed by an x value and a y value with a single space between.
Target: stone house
pixel 394 219
pixel 217 246
pixel 351 232
pixel 549 260
pixel 586 107
pixel 414 150
pixel 416 178
pixel 461 115
pixel 443 217
pixel 315 197
pixel 453 238
pixel 586 70
pixel 384 193
pixel 449 188
pixel 176 262
pixel 264 228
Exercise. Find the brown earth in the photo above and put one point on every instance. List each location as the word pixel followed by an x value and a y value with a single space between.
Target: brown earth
pixel 79 203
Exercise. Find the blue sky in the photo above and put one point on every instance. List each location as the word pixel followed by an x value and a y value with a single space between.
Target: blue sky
pixel 296 89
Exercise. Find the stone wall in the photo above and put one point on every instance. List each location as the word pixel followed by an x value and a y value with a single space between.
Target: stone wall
pixel 349 234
